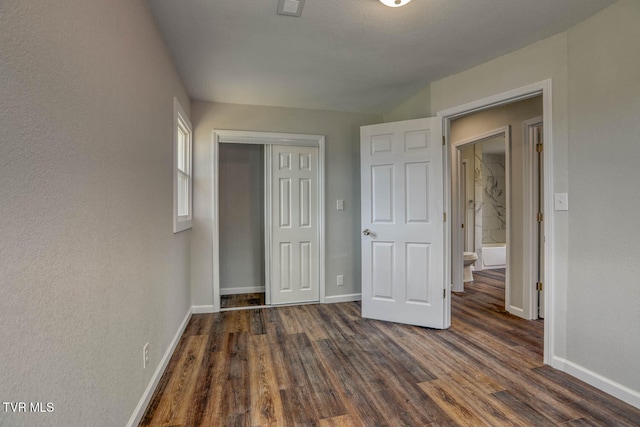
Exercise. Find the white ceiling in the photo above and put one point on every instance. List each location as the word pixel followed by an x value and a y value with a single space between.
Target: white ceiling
pixel 346 55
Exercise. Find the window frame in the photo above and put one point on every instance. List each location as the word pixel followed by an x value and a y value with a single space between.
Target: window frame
pixel 182 123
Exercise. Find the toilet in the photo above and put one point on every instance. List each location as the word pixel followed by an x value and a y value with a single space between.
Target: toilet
pixel 470 258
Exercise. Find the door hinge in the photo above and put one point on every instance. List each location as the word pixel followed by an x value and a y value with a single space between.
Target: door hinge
pixel 539 217
pixel 539 286
pixel 444 293
pixel 443 140
pixel 462 225
pixel 444 215
pixel 539 147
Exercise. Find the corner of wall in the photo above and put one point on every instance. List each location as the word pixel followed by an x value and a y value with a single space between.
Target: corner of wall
pixel 417 106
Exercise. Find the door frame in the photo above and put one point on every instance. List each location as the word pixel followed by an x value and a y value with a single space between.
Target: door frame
pixel 264 138
pixel 457 238
pixel 530 255
pixel 543 88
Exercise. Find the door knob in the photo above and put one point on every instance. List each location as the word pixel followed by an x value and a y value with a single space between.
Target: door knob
pixel 366 232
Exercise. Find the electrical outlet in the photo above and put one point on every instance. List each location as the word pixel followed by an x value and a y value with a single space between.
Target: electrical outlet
pixel 340 280
pixel 145 355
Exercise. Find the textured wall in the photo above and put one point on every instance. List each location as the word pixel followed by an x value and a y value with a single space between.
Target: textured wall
pixel 342 180
pixel 89 267
pixel 603 313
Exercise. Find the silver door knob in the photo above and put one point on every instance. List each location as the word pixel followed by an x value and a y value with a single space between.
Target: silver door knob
pixel 366 232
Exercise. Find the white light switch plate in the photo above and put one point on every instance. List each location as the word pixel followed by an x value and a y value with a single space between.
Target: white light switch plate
pixel 340 205
pixel 561 202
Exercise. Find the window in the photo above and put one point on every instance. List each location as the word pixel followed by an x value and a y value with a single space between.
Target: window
pixel 182 177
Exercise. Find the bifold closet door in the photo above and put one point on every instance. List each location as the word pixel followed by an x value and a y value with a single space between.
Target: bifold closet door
pixel 294 224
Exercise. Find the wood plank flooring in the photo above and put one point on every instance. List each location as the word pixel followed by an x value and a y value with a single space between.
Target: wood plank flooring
pixel 242 300
pixel 323 365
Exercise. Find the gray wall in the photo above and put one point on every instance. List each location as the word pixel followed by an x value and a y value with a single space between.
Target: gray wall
pixel 603 314
pixel 595 71
pixel 90 267
pixel 241 185
pixel 342 179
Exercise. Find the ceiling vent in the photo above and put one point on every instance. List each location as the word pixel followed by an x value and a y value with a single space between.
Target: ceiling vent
pixel 290 7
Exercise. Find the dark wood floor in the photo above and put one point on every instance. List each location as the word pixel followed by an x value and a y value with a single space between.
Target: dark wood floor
pixel 242 300
pixel 324 365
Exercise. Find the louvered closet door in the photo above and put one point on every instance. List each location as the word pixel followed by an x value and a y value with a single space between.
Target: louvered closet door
pixel 294 224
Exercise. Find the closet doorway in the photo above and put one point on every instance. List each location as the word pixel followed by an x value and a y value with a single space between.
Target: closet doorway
pixel 242 227
pixel 268 225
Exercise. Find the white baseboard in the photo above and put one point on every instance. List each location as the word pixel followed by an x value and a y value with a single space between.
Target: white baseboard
pixel 146 397
pixel 201 309
pixel 624 393
pixel 342 298
pixel 516 311
pixel 241 290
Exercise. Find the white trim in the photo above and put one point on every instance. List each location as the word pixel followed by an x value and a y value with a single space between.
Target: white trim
pixel 529 256
pixel 321 218
pixel 508 97
pixel 155 379
pixel 265 138
pixel 624 393
pixel 332 299
pixel 267 221
pixel 545 88
pixel 516 311
pixel 241 290
pixel 215 224
pixel 202 309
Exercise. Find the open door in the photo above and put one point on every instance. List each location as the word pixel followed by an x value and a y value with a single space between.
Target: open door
pixel 403 222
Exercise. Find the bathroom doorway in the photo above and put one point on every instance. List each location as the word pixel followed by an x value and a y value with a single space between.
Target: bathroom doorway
pixel 494 211
pixel 483 204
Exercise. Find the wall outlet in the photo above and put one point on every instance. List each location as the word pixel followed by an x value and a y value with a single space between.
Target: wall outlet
pixel 340 280
pixel 145 356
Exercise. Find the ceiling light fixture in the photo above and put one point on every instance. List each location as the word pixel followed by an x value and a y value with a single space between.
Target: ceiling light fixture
pixel 394 3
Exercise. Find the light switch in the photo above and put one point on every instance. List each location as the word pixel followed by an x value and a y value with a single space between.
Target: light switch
pixel 561 202
pixel 340 205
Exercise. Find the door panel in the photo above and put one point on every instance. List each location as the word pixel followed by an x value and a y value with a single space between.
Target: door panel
pixel 294 225
pixel 402 220
pixel 417 180
pixel 382 278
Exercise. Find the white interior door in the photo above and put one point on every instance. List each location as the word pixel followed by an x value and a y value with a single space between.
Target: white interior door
pixel 403 222
pixel 294 238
